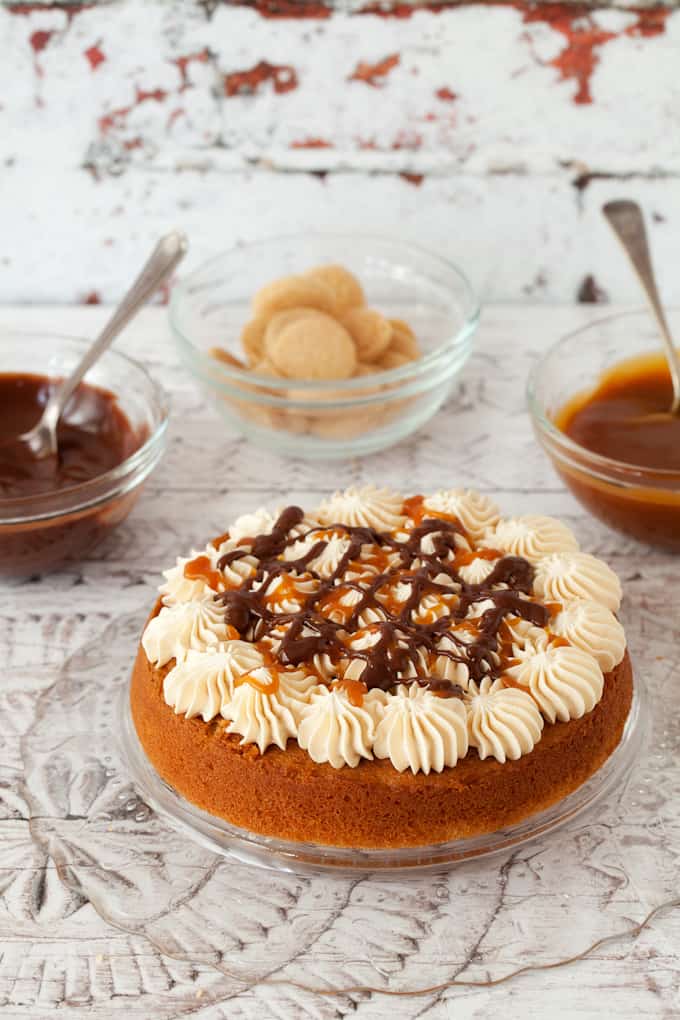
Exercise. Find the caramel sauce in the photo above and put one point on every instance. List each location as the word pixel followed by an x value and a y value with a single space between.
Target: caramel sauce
pixel 354 689
pixel 284 590
pixel 625 419
pixel 509 681
pixel 217 542
pixel 625 416
pixel 464 558
pixel 201 569
pixel 414 508
pixel 270 686
pixel 558 642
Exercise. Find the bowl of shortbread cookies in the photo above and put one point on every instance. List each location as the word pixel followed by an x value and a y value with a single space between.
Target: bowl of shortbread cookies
pixel 325 345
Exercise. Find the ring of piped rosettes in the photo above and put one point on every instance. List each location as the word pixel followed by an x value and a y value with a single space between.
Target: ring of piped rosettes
pixel 377 626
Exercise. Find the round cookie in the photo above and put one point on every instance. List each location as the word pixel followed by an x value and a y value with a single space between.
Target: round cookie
pixel 346 289
pixel 219 354
pixel 314 347
pixel 280 320
pixel 252 339
pixel 370 330
pixel 293 292
pixel 404 340
pixel 393 359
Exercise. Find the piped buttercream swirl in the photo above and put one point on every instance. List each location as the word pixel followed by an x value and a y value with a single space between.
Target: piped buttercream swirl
pixel 421 732
pixel 475 511
pixel 564 681
pixel 366 507
pixel 336 731
pixel 204 682
pixel 532 537
pixel 183 627
pixel 594 628
pixel 264 717
pixel 561 577
pixel 503 722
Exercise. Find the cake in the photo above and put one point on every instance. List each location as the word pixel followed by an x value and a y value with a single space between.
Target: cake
pixel 383 671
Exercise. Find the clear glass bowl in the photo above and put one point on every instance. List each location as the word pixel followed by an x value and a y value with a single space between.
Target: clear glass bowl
pixel 337 418
pixel 638 501
pixel 40 533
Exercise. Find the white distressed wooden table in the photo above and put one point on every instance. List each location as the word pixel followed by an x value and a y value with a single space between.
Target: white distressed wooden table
pixel 106 910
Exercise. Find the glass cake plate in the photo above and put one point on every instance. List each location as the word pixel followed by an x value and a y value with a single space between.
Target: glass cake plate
pixel 309 858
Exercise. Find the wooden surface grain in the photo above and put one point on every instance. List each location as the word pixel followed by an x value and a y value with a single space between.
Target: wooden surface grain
pixel 491 132
pixel 105 910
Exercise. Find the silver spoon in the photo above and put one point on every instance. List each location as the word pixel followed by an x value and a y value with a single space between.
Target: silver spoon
pixel 170 250
pixel 626 219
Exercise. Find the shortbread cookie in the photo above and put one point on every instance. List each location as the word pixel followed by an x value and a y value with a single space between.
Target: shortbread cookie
pixel 370 330
pixel 314 347
pixel 346 289
pixel 293 292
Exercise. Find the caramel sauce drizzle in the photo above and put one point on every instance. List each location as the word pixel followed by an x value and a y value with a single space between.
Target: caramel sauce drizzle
pixel 268 686
pixel 355 690
pixel 201 569
pixel 402 643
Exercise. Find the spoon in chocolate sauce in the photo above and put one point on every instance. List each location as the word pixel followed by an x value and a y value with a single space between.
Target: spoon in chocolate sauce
pixel 626 219
pixel 40 442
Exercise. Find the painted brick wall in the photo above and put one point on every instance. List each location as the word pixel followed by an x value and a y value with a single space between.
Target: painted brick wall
pixel 492 132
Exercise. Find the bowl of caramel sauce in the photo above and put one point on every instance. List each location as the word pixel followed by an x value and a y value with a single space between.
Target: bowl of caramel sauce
pixel 599 401
pixel 53 511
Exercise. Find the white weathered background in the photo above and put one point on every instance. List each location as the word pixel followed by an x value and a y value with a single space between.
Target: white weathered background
pixel 492 132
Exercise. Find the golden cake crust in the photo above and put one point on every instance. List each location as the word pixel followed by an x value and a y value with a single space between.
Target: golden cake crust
pixel 287 795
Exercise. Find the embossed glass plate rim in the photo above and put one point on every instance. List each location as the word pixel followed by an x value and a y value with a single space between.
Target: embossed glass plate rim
pixel 310 858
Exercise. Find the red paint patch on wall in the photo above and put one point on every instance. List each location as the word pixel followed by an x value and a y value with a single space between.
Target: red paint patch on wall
pixel 69 9
pixel 409 141
pixel 246 83
pixel 311 143
pixel 286 8
pixel 374 74
pixel 92 298
pixel 578 59
pixel 116 118
pixel 575 22
pixel 446 95
pixel 584 38
pixel 94 56
pixel 39 39
pixel 182 63
pixel 396 9
pixel 415 179
pixel 650 22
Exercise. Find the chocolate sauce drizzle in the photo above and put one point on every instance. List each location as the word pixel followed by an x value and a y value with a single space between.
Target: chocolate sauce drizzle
pixel 401 640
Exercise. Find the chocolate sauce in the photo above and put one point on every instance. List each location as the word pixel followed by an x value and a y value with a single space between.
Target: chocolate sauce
pixel 400 641
pixel 93 436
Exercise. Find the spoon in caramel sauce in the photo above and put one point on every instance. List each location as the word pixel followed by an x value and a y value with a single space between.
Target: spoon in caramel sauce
pixel 39 444
pixel 626 219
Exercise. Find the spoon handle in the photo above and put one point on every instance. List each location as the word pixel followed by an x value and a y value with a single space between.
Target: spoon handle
pixel 626 219
pixel 169 251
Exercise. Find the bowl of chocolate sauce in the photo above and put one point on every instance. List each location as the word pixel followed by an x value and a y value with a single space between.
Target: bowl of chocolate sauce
pixel 598 400
pixel 111 436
